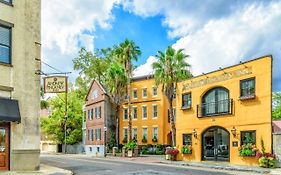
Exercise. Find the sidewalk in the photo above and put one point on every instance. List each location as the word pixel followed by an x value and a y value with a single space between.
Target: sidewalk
pixel 44 170
pixel 211 165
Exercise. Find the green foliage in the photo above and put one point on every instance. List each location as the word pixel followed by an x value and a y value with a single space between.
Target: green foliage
pixel 44 104
pixel 144 150
pixel 170 68
pixel 186 149
pixel 144 140
pixel 131 145
pixel 53 127
pixel 159 149
pixel 111 141
pixel 276 113
pixel 154 139
pixel 262 146
pixel 247 150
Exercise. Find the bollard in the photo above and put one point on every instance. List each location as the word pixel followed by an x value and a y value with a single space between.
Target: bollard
pixel 114 151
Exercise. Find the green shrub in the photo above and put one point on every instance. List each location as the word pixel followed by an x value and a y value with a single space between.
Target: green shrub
pixel 186 149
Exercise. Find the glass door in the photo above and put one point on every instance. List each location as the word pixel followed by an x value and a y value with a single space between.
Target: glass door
pixel 215 144
pixel 4 147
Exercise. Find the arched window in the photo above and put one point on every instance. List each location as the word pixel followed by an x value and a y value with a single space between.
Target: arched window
pixel 216 101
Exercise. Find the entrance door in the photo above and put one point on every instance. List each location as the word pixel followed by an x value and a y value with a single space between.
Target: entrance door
pixel 215 144
pixel 4 147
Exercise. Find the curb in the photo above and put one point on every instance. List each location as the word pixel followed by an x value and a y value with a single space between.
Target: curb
pixel 46 169
pixel 220 167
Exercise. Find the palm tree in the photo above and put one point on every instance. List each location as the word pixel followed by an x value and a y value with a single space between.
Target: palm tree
pixel 116 82
pixel 126 52
pixel 170 68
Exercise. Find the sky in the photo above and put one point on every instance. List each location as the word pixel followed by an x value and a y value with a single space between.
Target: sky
pixel 214 33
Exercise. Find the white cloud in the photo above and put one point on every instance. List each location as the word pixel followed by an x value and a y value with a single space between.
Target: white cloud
pixel 146 68
pixel 221 33
pixel 63 23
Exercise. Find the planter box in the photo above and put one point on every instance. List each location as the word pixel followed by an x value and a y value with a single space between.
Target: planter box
pixel 130 153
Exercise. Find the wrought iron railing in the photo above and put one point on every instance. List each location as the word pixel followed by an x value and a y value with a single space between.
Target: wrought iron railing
pixel 222 107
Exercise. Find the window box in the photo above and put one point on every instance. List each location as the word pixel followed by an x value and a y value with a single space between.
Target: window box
pixel 248 97
pixel 186 149
pixel 144 140
pixel 248 150
pixel 154 139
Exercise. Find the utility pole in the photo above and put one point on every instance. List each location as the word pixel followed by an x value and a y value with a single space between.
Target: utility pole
pixel 66 92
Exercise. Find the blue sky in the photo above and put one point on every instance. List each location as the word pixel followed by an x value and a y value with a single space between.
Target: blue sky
pixel 214 33
pixel 148 33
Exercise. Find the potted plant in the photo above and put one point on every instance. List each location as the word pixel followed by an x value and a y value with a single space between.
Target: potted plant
pixel 248 150
pixel 154 139
pixel 130 147
pixel 266 160
pixel 172 153
pixel 144 140
pixel 186 149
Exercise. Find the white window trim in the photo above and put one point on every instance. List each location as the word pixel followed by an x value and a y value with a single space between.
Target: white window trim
pixel 134 113
pixel 146 132
pixel 124 114
pixel 142 112
pixel 153 91
pixel 153 131
pixel 153 111
pixel 134 89
pixel 142 92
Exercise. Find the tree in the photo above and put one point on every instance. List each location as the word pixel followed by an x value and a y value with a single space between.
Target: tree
pixel 125 53
pixel 116 82
pixel 92 66
pixel 53 126
pixel 170 68
pixel 276 113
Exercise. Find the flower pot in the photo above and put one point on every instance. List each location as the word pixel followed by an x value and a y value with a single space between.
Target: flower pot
pixel 168 156
pixel 130 153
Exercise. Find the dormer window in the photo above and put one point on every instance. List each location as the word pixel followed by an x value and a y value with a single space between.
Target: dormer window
pixel 95 94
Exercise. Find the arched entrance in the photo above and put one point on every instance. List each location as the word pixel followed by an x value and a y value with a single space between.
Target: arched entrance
pixel 215 144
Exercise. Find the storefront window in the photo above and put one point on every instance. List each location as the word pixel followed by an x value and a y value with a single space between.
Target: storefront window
pixel 248 137
pixel 186 139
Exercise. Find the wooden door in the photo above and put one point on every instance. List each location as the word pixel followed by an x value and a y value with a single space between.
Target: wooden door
pixel 4 147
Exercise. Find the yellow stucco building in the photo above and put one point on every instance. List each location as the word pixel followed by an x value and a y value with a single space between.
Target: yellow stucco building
pixel 20 37
pixel 216 113
pixel 149 110
pixel 220 111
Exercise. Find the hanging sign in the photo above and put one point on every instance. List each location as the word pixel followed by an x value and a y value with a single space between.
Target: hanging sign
pixel 55 84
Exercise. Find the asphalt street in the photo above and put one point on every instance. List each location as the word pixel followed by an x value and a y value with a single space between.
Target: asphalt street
pixel 82 165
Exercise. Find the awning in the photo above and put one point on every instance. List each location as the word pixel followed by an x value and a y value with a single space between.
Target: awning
pixel 9 110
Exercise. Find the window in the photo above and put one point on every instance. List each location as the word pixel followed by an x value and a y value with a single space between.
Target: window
pixel 186 101
pixel 154 111
pixel 98 112
pixel 155 132
pixel 5 45
pixel 90 134
pixel 247 87
pixel 94 94
pixel 154 91
pixel 144 112
pixel 135 113
pixel 175 94
pixel 216 101
pixel 98 134
pixel 125 114
pixel 125 133
pixel 135 133
pixel 90 149
pixel 187 139
pixel 144 133
pixel 135 94
pixel 90 114
pixel 248 137
pixel 144 93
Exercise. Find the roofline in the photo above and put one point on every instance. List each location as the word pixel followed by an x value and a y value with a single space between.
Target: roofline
pixel 144 77
pixel 241 63
pixel 94 80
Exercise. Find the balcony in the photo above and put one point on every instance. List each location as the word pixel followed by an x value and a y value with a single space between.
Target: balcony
pixel 217 108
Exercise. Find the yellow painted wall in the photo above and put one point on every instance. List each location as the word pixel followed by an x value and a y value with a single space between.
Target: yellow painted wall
pixel 161 121
pixel 252 114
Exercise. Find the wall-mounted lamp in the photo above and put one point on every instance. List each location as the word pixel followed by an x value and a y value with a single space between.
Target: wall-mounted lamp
pixel 233 131
pixel 194 132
